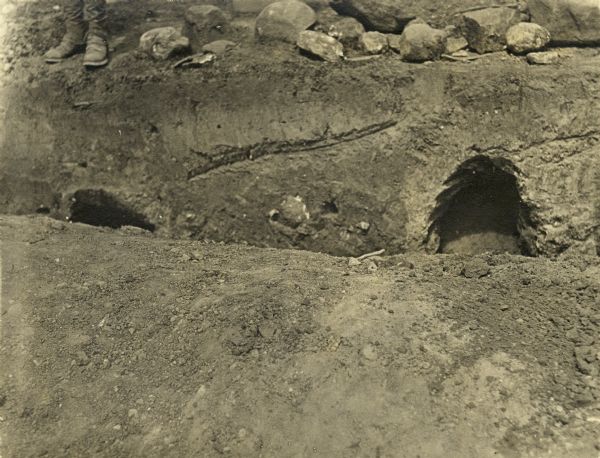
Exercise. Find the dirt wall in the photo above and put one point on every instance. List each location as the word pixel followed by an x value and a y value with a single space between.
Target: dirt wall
pixel 210 153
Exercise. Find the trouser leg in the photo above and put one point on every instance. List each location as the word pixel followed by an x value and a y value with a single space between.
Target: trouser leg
pixel 75 31
pixel 95 11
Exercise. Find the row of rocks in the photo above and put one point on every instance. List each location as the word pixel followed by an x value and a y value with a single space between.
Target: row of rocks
pixel 568 21
pixel 485 30
pixel 493 29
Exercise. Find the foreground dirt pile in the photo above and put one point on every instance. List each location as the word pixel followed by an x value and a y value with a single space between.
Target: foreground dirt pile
pixel 118 343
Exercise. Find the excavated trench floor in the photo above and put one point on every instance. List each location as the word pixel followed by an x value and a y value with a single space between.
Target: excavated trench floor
pixel 141 315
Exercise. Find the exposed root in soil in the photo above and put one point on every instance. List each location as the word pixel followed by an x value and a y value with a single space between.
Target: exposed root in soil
pixel 481 211
pixel 232 154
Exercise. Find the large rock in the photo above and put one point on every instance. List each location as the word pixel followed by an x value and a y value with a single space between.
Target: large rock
pixel 205 22
pixel 320 45
pixel 284 20
pixel 373 42
pixel 250 6
pixel 163 42
pixel 568 21
pixel 486 29
pixel 379 15
pixel 256 6
pixel 419 42
pixel 526 37
pixel 347 31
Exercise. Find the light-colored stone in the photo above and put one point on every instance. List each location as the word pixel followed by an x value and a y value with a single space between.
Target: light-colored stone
pixel 373 42
pixel 419 43
pixel 369 352
pixel 320 45
pixel 163 42
pixel 347 31
pixel 486 29
pixel 293 211
pixel 454 44
pixel 568 21
pixel 284 20
pixel 378 15
pixel 543 58
pixel 218 47
pixel 526 37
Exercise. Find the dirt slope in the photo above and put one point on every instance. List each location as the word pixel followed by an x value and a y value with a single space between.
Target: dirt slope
pixel 122 344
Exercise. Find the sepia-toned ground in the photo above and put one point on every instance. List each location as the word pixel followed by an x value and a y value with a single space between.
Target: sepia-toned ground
pixel 126 342
pixel 116 343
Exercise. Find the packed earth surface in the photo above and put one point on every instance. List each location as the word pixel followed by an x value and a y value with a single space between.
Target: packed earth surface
pixel 242 249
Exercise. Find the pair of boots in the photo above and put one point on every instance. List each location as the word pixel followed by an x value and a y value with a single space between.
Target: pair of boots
pixel 77 38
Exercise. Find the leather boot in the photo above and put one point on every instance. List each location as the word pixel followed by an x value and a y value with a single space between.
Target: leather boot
pixel 96 51
pixel 73 40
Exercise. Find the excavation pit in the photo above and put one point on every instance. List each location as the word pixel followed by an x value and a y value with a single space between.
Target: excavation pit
pixel 481 210
pixel 97 207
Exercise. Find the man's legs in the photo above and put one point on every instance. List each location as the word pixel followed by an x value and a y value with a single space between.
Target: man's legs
pixel 96 53
pixel 73 39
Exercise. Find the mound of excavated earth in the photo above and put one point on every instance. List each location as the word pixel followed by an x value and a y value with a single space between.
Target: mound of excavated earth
pixel 119 343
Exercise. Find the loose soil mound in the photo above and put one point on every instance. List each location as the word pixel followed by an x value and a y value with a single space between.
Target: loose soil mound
pixel 116 345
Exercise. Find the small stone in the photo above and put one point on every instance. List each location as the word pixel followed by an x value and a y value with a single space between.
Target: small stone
pixel 373 42
pixel 132 413
pixel 504 307
pixel 293 211
pixel 461 53
pixel 117 427
pixel 267 330
pixel 371 267
pixel 419 43
pixel 163 42
pixel 585 360
pixel 486 29
pixel 526 37
pixel 82 358
pixel 369 352
pixel 284 20
pixel 364 226
pixel 320 45
pixel 455 44
pixel 353 262
pixel 218 47
pixel 477 268
pixel 347 31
